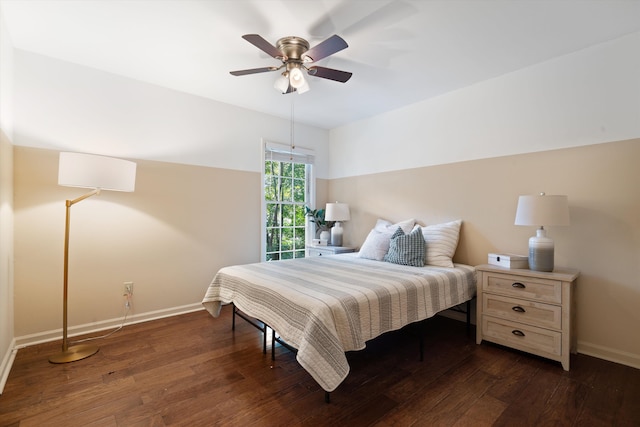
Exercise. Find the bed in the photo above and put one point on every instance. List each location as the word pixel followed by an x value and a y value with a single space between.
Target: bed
pixel 329 305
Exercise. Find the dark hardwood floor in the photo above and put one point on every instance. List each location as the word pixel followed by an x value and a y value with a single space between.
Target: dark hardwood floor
pixel 193 370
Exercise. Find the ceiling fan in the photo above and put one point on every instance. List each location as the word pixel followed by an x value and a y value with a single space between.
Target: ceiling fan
pixel 295 54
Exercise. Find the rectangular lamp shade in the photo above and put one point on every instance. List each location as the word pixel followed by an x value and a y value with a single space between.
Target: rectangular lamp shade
pixel 542 210
pixel 92 171
pixel 337 212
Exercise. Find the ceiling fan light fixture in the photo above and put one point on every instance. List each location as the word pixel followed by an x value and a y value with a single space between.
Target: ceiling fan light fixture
pixel 296 78
pixel 282 83
pixel 294 53
pixel 304 88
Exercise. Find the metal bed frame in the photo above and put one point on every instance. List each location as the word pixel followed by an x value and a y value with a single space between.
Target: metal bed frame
pixel 262 327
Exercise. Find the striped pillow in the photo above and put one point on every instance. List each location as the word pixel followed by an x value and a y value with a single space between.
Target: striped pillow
pixel 407 249
pixel 442 241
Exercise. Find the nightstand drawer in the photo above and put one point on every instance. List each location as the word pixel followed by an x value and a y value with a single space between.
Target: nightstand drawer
pixel 523 287
pixel 317 252
pixel 519 310
pixel 542 342
pixel 328 250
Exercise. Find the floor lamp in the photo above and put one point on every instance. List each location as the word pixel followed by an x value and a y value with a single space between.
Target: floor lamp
pixel 98 173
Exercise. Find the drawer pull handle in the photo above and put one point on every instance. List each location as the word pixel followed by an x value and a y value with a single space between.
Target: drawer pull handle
pixel 517 333
pixel 518 309
pixel 518 285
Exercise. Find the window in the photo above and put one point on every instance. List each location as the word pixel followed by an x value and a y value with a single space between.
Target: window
pixel 287 189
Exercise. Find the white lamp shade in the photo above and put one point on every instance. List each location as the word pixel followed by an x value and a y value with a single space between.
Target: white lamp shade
pixel 281 84
pixel 542 210
pixel 91 171
pixel 304 88
pixel 337 212
pixel 296 78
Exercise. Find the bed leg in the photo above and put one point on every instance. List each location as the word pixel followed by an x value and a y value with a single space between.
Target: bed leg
pixel 273 344
pixel 421 348
pixel 233 317
pixel 469 318
pixel 264 338
pixel 327 397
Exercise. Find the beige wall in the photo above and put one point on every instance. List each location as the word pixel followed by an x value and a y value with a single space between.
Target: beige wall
pixel 183 223
pixel 169 237
pixel 603 241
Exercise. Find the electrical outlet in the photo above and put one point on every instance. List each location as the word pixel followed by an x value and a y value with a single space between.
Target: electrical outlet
pixel 128 288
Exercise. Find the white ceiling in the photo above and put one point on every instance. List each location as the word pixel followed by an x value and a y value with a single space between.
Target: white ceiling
pixel 400 51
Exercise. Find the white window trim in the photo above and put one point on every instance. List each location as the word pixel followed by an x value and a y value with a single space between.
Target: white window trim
pixel 285 150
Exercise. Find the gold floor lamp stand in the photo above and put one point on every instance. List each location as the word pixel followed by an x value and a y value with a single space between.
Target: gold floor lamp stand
pixel 77 352
pixel 81 351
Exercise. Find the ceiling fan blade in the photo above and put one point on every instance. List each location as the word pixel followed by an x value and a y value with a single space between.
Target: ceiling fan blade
pixel 328 47
pixel 330 73
pixel 253 71
pixel 259 42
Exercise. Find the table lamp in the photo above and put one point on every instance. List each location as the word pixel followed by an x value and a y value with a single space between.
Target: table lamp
pixel 541 211
pixel 337 212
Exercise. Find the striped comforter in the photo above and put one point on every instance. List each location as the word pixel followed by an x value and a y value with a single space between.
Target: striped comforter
pixel 325 306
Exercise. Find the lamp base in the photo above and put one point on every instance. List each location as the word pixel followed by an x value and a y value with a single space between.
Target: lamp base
pixel 72 354
pixel 336 234
pixel 541 250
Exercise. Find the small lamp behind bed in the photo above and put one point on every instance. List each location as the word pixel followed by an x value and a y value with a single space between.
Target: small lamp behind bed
pixel 337 212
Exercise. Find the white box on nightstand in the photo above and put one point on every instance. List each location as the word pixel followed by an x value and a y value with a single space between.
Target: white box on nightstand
pixel 509 260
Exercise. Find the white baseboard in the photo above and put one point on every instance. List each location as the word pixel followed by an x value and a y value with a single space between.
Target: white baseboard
pixel 89 328
pixel 7 362
pixel 606 353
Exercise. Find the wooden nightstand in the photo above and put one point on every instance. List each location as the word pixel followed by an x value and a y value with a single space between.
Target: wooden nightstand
pixel 528 310
pixel 328 250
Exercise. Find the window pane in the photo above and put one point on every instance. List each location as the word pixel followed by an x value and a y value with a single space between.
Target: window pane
pixel 286 190
pixel 298 191
pixel 299 217
pixel 299 237
pixel 300 171
pixel 269 188
pixel 286 255
pixel 273 215
pixel 272 168
pixel 273 239
pixel 287 239
pixel 287 215
pixel 286 169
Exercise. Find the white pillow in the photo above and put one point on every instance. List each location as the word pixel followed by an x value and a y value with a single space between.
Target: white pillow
pixel 442 241
pixel 376 245
pixel 383 225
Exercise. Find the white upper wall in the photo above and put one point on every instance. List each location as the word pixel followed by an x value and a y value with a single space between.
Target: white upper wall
pixel 63 106
pixel 6 80
pixel 587 97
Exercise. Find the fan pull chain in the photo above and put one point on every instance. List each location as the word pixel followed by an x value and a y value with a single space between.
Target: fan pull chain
pixel 293 145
